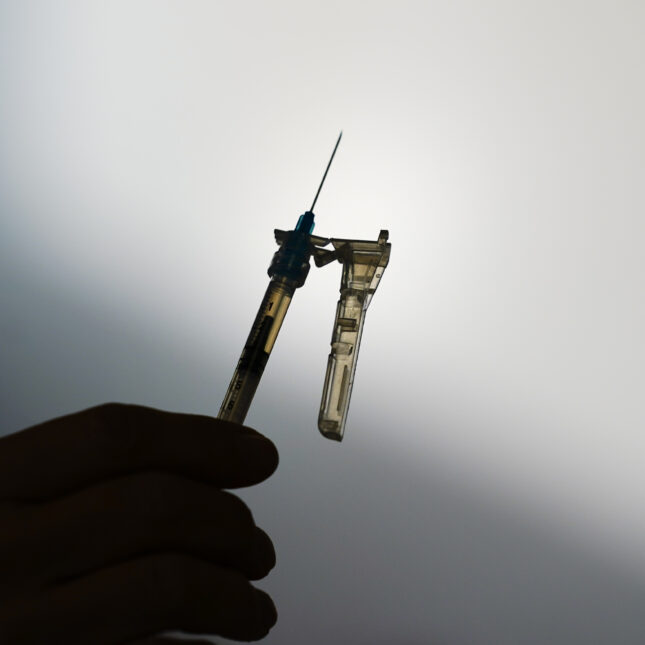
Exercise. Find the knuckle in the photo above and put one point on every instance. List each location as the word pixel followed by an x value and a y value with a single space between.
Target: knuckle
pixel 164 579
pixel 109 413
pixel 177 583
pixel 151 492
pixel 239 589
pixel 238 513
pixel 116 432
pixel 186 591
pixel 15 562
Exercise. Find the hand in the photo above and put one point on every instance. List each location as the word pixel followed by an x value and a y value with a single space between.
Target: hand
pixel 114 527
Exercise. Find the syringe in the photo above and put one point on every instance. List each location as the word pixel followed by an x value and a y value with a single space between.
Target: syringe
pixel 288 271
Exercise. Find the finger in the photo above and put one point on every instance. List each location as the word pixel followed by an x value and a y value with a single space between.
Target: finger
pixel 161 640
pixel 123 518
pixel 140 598
pixel 261 558
pixel 50 459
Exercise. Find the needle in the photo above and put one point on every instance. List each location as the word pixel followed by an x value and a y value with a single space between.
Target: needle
pixel 311 210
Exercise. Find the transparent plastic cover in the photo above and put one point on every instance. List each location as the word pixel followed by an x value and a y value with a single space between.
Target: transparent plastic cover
pixel 363 266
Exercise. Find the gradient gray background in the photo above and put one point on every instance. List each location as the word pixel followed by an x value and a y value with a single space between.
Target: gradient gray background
pixel 490 486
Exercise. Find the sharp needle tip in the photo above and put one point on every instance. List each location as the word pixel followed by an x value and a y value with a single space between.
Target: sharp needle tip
pixel 326 171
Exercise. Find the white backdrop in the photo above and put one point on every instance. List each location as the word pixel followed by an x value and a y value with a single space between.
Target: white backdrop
pixel 489 489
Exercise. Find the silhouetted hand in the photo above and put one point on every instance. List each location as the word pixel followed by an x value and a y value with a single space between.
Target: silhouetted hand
pixel 114 527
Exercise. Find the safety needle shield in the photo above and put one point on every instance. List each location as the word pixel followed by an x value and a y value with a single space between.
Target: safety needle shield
pixel 363 266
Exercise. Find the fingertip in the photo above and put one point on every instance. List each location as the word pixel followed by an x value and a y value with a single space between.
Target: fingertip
pixel 271 449
pixel 262 556
pixel 266 611
pixel 268 548
pixel 273 455
pixel 264 455
pixel 264 448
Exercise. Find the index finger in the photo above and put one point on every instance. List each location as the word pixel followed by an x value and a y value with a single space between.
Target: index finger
pixel 77 450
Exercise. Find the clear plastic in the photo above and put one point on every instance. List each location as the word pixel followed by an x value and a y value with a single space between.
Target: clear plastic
pixel 363 266
pixel 257 350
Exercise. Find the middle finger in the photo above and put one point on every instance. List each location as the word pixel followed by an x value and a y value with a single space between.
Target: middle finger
pixel 142 513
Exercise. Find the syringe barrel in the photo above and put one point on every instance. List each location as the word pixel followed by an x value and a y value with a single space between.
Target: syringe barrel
pixel 257 349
